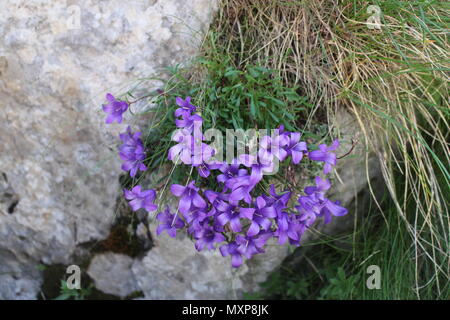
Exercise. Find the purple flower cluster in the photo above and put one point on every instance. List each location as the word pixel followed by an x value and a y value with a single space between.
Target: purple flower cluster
pixel 190 148
pixel 237 220
pixel 132 153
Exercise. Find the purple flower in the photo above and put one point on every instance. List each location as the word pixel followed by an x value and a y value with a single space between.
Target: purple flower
pixel 311 204
pixel 308 209
pixel 183 149
pixel 244 246
pixel 258 167
pixel 332 208
pixel 278 201
pixel 283 132
pixel 169 222
pixel 289 227
pixel 322 186
pixel 195 219
pixel 185 106
pixel 232 213
pixel 188 121
pixel 230 172
pixel 272 147
pixel 214 199
pixel 189 197
pixel 201 156
pixel 323 154
pixel 190 149
pixel 132 152
pixel 296 148
pixel 204 169
pixel 207 237
pixel 186 112
pixel 261 217
pixel 114 108
pixel 214 196
pixel 241 188
pixel 249 246
pixel 315 204
pixel 237 180
pixel 231 249
pixel 141 198
pixel 297 226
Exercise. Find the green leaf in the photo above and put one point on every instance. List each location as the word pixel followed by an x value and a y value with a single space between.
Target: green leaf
pixel 252 107
pixel 63 296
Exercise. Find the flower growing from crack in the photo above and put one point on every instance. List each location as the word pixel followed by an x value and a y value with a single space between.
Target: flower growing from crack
pixel 141 199
pixel 239 214
pixel 169 223
pixel 114 109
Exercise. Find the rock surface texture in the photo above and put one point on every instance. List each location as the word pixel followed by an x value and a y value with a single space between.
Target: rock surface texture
pixel 112 272
pixel 58 169
pixel 58 164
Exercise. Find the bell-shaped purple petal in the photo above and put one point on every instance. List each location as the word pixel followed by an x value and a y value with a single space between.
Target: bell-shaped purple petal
pixel 141 199
pixel 169 223
pixel 324 154
pixel 114 109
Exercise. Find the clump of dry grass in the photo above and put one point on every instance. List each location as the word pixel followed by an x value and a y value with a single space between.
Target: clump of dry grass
pixel 393 80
